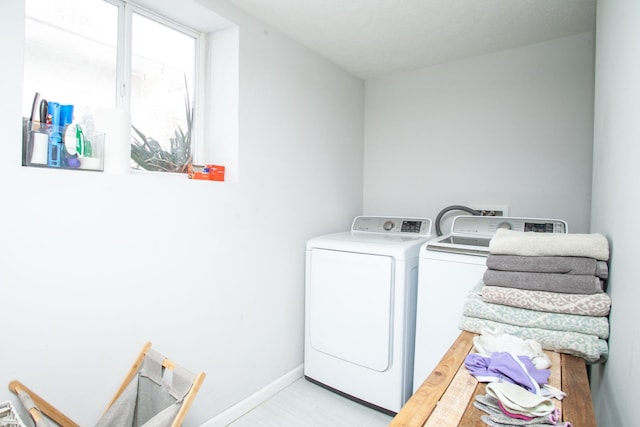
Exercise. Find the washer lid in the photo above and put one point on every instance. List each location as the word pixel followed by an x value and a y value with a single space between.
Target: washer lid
pixel 468 245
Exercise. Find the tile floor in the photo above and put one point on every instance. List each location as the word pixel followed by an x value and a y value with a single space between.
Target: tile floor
pixel 304 404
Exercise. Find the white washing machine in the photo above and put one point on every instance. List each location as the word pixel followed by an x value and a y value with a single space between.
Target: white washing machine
pixel 450 266
pixel 360 301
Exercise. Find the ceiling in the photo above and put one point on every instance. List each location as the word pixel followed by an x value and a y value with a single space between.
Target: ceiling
pixel 371 38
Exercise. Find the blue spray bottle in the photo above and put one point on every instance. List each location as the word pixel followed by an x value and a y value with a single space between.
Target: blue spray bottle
pixel 56 148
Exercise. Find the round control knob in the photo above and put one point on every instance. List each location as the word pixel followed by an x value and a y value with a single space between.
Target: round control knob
pixel 388 225
pixel 505 226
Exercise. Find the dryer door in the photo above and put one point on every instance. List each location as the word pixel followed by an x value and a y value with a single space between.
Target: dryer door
pixel 351 306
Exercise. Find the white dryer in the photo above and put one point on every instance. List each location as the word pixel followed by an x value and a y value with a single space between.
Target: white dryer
pixel 450 266
pixel 360 301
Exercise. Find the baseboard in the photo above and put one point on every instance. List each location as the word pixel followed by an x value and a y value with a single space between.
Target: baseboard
pixel 239 409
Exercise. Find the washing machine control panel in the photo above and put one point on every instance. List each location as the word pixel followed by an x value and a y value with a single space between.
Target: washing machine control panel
pixel 488 225
pixel 388 225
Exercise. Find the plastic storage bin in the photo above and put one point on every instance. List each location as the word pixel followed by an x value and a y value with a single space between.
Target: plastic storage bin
pixel 45 147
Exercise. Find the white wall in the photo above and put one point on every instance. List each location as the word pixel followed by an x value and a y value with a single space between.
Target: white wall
pixel 221 129
pixel 616 202
pixel 95 264
pixel 510 128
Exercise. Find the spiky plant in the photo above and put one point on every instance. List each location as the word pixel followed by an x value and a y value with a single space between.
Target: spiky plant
pixel 150 155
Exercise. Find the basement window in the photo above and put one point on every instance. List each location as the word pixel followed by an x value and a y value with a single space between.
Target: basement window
pixel 126 55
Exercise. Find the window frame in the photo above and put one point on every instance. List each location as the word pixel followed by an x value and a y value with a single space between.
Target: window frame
pixel 199 93
pixel 126 9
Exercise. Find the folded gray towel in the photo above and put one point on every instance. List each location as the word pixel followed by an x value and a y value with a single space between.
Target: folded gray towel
pixel 549 264
pixel 567 283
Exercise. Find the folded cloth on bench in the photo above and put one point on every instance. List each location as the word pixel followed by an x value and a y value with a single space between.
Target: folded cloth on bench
pixel 489 342
pixel 474 306
pixel 517 400
pixel 509 242
pixel 549 264
pixel 552 282
pixel 498 416
pixel 503 366
pixel 589 347
pixel 598 304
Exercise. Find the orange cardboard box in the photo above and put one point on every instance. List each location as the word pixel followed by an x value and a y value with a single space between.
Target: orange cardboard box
pixel 216 172
pixel 206 172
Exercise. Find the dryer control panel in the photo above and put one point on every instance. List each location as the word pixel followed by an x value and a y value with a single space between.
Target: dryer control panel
pixel 389 225
pixel 488 225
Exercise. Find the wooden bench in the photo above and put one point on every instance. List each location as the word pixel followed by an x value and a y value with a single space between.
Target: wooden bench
pixel 446 396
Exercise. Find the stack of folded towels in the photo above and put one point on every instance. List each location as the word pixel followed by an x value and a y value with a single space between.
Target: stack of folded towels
pixel 546 287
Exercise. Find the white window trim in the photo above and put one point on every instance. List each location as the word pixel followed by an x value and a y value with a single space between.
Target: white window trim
pixel 123 66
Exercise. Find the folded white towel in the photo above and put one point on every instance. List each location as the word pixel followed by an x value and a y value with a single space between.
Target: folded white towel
pixel 509 242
